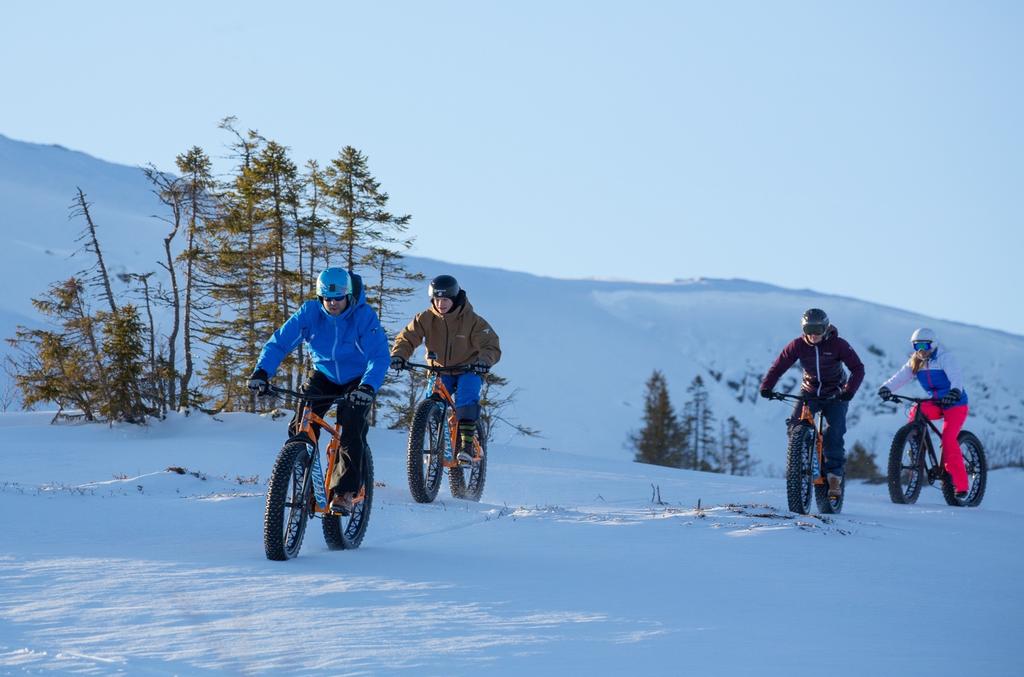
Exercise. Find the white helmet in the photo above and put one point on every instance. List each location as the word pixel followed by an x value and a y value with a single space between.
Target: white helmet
pixel 923 335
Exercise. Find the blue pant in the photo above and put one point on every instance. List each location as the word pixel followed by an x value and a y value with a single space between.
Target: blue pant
pixel 466 390
pixel 835 431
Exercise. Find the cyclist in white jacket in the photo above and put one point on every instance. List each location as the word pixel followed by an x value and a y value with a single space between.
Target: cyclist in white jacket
pixel 938 372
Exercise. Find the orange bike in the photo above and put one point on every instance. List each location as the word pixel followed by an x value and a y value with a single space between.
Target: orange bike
pixel 296 489
pixel 805 460
pixel 433 443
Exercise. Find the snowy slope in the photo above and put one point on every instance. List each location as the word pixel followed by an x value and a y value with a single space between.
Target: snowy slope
pixel 111 565
pixel 578 350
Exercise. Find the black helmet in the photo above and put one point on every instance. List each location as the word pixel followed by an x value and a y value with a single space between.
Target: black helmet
pixel 443 287
pixel 815 321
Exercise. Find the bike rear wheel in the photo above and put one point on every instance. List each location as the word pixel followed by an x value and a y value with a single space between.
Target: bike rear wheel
pixel 289 500
pixel 345 532
pixel 826 505
pixel 977 472
pixel 467 482
pixel 906 464
pixel 798 468
pixel 427 440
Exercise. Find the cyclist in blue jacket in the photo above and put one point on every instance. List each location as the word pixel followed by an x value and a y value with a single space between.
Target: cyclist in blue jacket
pixel 350 357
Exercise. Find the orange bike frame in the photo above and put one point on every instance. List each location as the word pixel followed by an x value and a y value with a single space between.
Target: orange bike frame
pixel 333 449
pixel 819 439
pixel 440 390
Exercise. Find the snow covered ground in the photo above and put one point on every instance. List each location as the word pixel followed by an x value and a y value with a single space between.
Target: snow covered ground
pixel 110 564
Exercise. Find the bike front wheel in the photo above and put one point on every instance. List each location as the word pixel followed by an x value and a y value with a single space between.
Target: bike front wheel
pixel 467 482
pixel 906 464
pixel 427 440
pixel 289 500
pixel 798 468
pixel 977 472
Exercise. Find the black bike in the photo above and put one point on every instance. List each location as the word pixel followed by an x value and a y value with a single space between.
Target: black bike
pixel 805 460
pixel 296 490
pixel 912 461
pixel 433 440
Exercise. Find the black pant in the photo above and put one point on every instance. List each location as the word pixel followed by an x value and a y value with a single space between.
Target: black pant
pixel 354 420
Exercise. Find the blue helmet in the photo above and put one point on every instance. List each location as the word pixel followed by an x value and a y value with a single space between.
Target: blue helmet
pixel 333 283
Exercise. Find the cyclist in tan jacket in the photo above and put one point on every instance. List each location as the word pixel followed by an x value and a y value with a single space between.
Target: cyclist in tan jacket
pixel 456 338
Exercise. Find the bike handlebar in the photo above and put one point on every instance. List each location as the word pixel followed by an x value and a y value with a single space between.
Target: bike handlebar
pixel 438 370
pixel 275 390
pixel 893 397
pixel 801 398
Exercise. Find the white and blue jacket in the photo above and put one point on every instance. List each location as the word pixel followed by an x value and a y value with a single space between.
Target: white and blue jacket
pixel 350 346
pixel 938 376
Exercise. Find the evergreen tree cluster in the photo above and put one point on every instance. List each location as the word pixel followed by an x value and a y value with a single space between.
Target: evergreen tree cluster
pixel 691 439
pixel 241 253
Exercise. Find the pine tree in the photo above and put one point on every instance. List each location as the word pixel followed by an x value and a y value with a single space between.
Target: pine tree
pixel 169 190
pixel 124 352
pixel 359 207
pixel 196 186
pixel 153 388
pixel 861 465
pixel 661 440
pixel 222 376
pixel 236 262
pixel 699 426
pixel 96 274
pixel 64 365
pixel 733 455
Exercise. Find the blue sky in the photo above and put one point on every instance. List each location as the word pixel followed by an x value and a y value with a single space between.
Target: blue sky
pixel 868 149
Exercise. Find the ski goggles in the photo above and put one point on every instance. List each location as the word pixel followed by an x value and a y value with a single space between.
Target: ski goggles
pixel 815 329
pixel 922 345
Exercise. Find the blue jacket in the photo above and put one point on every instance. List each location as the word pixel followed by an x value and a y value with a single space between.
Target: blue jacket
pixel 350 346
pixel 938 376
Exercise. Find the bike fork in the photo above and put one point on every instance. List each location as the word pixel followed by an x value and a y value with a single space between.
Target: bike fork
pixel 319 490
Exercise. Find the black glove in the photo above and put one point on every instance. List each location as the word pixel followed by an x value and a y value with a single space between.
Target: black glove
pixel 479 368
pixel 398 363
pixel 767 393
pixel 884 393
pixel 259 382
pixel 361 396
pixel 950 398
pixel 846 396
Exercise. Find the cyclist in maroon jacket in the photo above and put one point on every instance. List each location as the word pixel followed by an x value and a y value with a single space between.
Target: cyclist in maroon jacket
pixel 822 355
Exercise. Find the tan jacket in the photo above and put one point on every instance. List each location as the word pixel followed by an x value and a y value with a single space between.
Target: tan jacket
pixel 459 338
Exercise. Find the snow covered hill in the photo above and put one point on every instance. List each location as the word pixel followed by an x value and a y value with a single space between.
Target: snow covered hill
pixel 111 564
pixel 578 350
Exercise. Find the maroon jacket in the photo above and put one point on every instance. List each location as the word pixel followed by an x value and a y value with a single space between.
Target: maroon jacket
pixel 823 365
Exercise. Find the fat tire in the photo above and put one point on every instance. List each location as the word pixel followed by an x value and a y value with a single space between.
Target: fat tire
pixel 426 434
pixel 977 472
pixel 345 532
pixel 900 441
pixel 826 505
pixel 798 469
pixel 467 483
pixel 291 471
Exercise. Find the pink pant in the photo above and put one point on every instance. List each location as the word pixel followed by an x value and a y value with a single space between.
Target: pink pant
pixel 952 457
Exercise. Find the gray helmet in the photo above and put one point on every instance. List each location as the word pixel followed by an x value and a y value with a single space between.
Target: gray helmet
pixel 815 321
pixel 443 287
